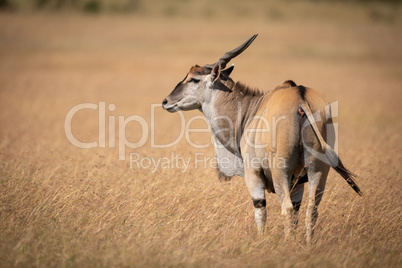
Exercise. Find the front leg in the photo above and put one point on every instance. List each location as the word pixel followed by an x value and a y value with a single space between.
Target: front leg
pixel 260 214
pixel 256 188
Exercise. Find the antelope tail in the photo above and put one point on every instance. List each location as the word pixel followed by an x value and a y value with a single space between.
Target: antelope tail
pixel 333 160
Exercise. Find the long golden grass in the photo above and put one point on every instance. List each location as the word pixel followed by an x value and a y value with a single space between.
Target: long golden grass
pixel 64 206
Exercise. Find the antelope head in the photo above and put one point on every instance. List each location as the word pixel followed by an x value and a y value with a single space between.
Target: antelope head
pixel 196 88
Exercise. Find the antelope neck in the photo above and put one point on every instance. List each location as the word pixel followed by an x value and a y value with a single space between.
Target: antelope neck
pixel 230 111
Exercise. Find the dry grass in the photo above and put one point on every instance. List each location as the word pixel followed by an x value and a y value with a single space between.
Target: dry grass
pixel 65 206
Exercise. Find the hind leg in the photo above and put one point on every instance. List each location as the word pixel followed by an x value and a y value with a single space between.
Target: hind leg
pixel 296 195
pixel 317 175
pixel 281 180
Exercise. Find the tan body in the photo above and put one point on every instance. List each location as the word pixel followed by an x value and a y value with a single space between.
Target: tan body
pixel 284 159
pixel 276 141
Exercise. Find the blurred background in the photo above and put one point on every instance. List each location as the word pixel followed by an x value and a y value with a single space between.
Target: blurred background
pixel 65 206
pixel 377 8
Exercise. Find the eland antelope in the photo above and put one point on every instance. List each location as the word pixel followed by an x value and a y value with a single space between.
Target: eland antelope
pixel 274 140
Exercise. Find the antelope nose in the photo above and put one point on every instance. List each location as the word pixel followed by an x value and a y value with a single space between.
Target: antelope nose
pixel 164 102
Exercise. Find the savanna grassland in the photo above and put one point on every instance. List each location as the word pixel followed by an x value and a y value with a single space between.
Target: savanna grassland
pixel 64 206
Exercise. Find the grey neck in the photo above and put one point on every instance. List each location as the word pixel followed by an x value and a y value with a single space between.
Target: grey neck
pixel 229 112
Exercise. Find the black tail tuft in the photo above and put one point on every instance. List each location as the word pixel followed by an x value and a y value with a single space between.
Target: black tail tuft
pixel 337 164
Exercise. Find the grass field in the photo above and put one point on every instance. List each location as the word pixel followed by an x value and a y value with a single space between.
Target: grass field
pixel 64 206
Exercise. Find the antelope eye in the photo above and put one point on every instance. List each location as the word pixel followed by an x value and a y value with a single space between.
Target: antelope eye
pixel 193 80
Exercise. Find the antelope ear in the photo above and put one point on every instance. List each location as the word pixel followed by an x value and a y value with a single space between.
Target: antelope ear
pixel 228 71
pixel 216 71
